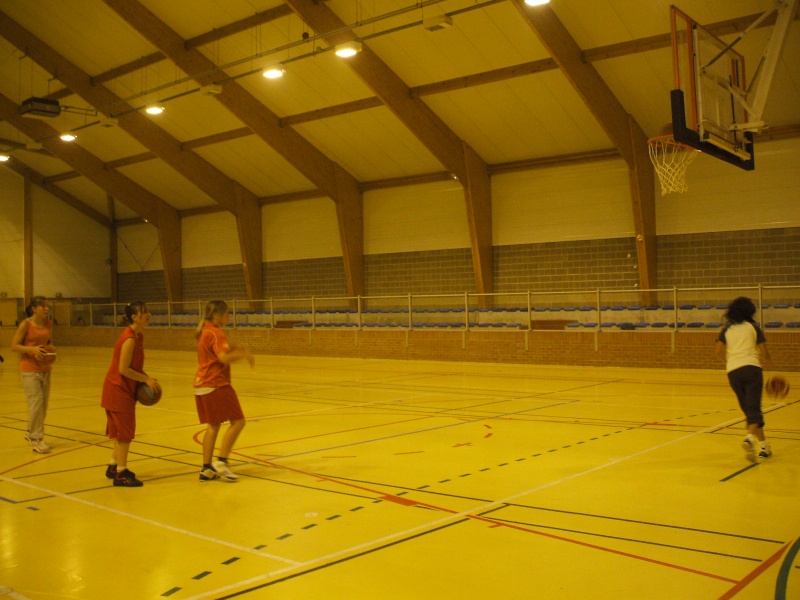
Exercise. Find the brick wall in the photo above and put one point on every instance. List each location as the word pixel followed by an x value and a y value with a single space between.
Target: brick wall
pixel 208 283
pixel 430 272
pixel 766 256
pixel 567 266
pixel 730 258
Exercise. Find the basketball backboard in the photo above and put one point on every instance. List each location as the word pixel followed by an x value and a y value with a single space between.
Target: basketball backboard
pixel 709 74
pixel 714 107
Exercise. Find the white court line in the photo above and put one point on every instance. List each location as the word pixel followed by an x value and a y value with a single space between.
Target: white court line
pixel 455 516
pixel 186 532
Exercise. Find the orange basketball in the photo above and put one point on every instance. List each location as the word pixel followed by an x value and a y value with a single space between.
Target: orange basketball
pixel 49 356
pixel 147 395
pixel 777 387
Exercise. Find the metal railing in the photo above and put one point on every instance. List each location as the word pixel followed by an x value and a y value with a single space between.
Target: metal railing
pixel 668 308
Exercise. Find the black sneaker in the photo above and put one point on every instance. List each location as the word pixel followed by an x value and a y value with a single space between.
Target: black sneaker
pixel 127 479
pixel 208 474
pixel 111 471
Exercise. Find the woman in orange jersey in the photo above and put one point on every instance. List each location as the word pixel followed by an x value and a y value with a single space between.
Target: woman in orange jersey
pixel 119 392
pixel 33 340
pixel 216 400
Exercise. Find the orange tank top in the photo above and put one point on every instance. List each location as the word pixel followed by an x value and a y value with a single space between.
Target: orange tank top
pixel 35 336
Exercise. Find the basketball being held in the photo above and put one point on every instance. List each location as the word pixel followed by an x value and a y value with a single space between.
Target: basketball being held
pixel 777 387
pixel 47 356
pixel 147 395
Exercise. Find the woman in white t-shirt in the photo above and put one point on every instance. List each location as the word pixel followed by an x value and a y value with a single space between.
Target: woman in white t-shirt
pixel 746 350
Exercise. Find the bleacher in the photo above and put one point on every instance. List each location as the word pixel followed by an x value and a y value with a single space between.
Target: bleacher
pixel 558 316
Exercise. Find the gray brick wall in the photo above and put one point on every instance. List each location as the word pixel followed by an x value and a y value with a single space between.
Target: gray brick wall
pixel 766 256
pixel 730 258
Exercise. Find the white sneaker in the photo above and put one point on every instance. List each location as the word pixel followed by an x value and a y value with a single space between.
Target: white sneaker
pixel 223 471
pixel 749 449
pixel 40 446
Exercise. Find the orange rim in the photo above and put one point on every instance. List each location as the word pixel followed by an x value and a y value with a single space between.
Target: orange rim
pixel 669 140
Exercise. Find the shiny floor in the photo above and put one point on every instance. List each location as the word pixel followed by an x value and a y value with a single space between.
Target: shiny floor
pixel 414 480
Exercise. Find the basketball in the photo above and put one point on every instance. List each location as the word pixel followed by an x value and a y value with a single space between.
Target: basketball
pixel 777 387
pixel 145 394
pixel 49 356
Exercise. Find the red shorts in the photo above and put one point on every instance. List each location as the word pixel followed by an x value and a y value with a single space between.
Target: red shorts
pixel 120 426
pixel 219 406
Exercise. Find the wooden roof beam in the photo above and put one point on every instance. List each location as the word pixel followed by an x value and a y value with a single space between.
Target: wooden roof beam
pixel 222 189
pixel 338 184
pixel 624 132
pixel 151 207
pixel 19 167
pixel 419 118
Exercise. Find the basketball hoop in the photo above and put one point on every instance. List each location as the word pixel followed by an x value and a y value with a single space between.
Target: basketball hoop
pixel 671 159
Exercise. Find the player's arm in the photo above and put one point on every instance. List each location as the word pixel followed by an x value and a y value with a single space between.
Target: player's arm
pixel 125 358
pixel 18 346
pixel 236 353
pixel 766 357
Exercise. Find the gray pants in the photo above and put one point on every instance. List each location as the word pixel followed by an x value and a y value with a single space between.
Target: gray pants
pixel 37 391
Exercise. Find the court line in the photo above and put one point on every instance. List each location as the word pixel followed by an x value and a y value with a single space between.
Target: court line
pixel 172 528
pixel 754 574
pixel 783 574
pixel 455 516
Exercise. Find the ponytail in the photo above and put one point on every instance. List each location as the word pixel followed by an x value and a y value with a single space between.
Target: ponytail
pixel 213 308
pixel 131 309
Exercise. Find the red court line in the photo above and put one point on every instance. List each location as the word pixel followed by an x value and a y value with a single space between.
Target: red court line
pixel 492 522
pixel 753 575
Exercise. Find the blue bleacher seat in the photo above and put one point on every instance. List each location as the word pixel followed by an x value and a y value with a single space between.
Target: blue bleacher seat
pixel 574 324
pixel 686 306
pixel 774 324
pixel 714 324
pixel 658 324
pixel 793 324
pixel 590 324
pixel 587 308
pixel 781 306
pixel 704 306
pixel 695 325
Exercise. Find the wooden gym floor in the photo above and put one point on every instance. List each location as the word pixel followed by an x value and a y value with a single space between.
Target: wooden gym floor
pixel 413 480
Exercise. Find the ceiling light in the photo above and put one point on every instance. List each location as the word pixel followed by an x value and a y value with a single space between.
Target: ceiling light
pixel 154 109
pixel 4 157
pixel 68 136
pixel 536 2
pixel 349 49
pixel 274 71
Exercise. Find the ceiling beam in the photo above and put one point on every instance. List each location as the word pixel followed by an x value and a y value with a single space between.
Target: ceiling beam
pixel 454 154
pixel 624 132
pixel 328 176
pixel 222 189
pixel 40 180
pixel 655 42
pixel 163 216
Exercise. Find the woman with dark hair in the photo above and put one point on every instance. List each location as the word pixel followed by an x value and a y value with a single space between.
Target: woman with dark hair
pixel 33 341
pixel 746 348
pixel 215 398
pixel 119 392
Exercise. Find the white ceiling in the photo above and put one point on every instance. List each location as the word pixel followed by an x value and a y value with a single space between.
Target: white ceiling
pixel 530 116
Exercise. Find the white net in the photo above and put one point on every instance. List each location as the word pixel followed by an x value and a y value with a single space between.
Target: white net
pixel 671 159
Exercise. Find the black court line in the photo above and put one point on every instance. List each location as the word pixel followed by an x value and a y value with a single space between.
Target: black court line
pixel 739 472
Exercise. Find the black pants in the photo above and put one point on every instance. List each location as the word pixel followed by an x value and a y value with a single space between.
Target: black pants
pixel 747 382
